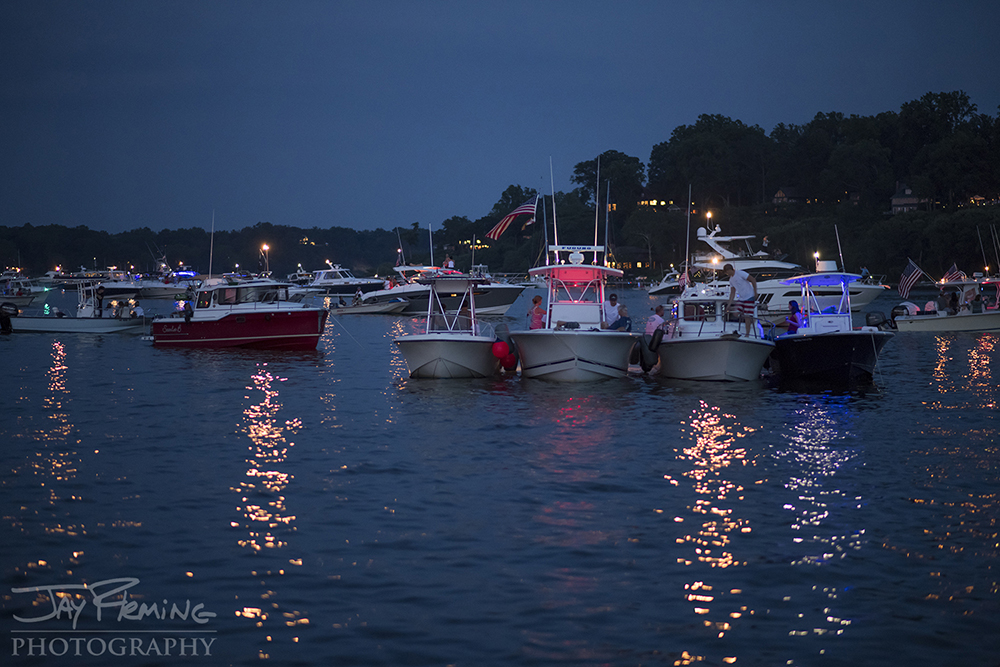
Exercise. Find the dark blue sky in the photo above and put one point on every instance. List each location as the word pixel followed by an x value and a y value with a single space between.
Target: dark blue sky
pixel 119 115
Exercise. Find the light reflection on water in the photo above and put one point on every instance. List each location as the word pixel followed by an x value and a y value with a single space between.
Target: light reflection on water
pixel 265 517
pixel 335 511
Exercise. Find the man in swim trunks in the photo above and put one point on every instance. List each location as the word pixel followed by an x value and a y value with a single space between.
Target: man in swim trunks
pixel 742 288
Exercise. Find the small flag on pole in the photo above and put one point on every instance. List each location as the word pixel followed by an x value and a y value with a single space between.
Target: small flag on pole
pixel 953 274
pixel 501 227
pixel 909 278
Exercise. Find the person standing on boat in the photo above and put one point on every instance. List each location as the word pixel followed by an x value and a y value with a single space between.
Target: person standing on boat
pixel 99 301
pixel 611 309
pixel 742 289
pixel 536 316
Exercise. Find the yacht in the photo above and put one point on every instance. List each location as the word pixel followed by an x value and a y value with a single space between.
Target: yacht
pixel 769 271
pixel 338 281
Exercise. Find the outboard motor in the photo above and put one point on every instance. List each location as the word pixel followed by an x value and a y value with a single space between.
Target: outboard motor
pixel 877 319
pixel 7 311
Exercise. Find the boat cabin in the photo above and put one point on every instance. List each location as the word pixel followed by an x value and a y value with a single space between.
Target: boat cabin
pixel 242 293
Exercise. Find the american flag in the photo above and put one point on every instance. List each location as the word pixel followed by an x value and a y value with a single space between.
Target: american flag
pixel 909 278
pixel 501 227
pixel 953 274
pixel 683 279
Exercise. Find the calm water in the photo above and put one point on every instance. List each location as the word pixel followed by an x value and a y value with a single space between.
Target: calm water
pixel 329 510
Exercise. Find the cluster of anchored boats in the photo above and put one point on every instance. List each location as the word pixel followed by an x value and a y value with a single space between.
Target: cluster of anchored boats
pixel 705 337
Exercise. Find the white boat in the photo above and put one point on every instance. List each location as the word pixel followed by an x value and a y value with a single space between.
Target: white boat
pixel 572 346
pixel 669 285
pixel 705 342
pixel 381 308
pixel 337 280
pixel 773 294
pixel 978 309
pixel 827 346
pixel 87 319
pixel 454 343
pixel 492 298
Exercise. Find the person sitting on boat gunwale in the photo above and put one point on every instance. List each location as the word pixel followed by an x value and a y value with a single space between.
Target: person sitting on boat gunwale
pixel 624 322
pixel 536 316
pixel 794 319
pixel 742 289
pixel 656 321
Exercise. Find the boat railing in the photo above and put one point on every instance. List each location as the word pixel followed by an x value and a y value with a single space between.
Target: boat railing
pixel 448 323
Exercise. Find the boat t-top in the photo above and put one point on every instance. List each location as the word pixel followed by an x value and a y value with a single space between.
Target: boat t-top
pixel 573 345
pixel 454 343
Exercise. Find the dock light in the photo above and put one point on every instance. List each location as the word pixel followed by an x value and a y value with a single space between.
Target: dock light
pixel 267 263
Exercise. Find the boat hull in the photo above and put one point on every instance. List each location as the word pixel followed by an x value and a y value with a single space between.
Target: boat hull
pixel 263 330
pixel 836 357
pixel 723 358
pixel 94 325
pixel 573 356
pixel 384 308
pixel 347 288
pixel 965 321
pixel 493 299
pixel 440 355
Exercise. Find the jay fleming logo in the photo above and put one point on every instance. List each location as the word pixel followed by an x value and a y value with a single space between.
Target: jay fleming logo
pixel 122 626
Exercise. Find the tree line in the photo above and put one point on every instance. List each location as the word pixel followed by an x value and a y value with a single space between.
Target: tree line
pixel 844 170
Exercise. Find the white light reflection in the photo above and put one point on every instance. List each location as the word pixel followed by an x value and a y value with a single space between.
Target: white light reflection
pixel 265 517
pixel 715 449
pixel 397 362
pixel 824 515
pixel 815 452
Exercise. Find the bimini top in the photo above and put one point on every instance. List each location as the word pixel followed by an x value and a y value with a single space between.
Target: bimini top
pixel 451 284
pixel 824 279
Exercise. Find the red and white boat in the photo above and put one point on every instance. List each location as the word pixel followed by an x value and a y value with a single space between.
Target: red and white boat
pixel 257 314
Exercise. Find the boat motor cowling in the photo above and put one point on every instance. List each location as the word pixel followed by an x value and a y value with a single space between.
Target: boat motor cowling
pixel 878 319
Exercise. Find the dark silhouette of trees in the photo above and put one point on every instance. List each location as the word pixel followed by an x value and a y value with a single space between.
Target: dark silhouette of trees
pixel 844 170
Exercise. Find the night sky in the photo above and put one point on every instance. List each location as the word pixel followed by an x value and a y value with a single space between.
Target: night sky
pixel 147 113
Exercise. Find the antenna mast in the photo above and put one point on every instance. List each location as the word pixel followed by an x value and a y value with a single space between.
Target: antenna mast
pixel 211 245
pixel 555 225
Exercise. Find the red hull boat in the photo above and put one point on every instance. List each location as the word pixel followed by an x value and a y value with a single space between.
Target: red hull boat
pixel 256 314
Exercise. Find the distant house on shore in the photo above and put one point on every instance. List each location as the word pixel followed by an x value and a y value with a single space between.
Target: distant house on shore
pixel 788 196
pixel 904 200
